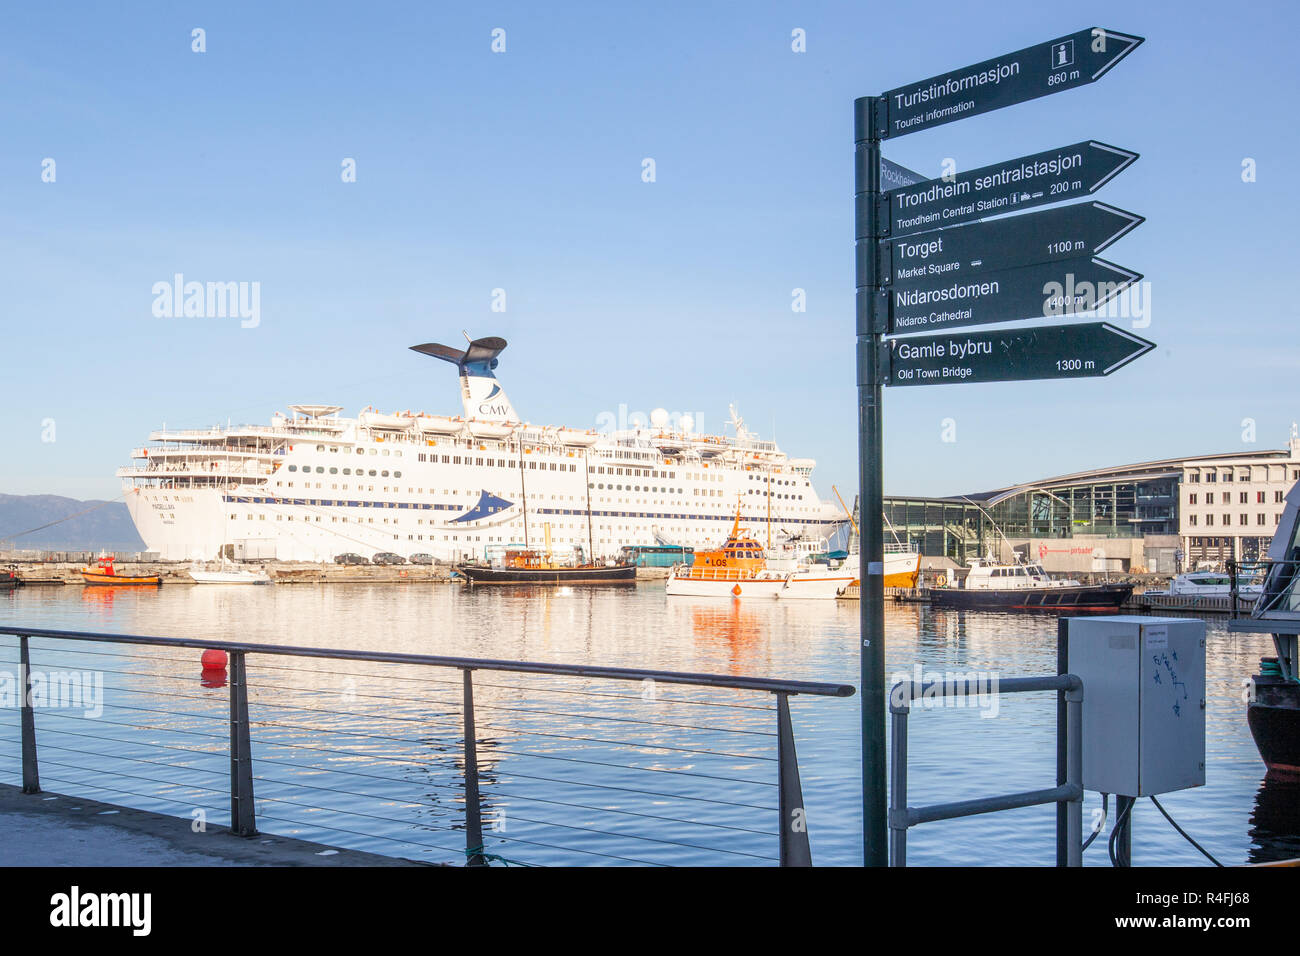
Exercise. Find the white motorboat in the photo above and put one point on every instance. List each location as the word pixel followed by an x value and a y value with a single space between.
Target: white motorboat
pixel 1210 584
pixel 229 575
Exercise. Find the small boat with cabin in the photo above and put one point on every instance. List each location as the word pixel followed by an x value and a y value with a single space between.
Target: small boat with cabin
pixel 740 568
pixel 993 586
pixel 104 573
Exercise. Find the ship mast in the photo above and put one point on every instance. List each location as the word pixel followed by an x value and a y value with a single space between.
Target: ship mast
pixel 523 488
pixel 586 474
pixel 769 508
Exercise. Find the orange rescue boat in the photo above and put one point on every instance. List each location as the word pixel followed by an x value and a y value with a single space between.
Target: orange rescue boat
pixel 105 573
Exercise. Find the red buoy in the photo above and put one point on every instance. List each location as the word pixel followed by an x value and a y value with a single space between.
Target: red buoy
pixel 214 659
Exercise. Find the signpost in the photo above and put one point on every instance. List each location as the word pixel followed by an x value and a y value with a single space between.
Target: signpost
pixel 914 273
pixel 1050 289
pixel 1061 64
pixel 1053 175
pixel 1087 350
pixel 1063 232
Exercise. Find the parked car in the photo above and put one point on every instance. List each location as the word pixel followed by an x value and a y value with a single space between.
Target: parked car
pixel 349 558
pixel 422 559
pixel 387 557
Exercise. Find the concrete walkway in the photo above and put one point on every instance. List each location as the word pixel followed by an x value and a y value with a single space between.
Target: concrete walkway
pixel 48 829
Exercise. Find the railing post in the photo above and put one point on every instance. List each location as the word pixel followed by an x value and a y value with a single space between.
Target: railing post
pixel 1062 733
pixel 243 820
pixel 898 713
pixel 31 778
pixel 1074 776
pixel 473 810
pixel 795 850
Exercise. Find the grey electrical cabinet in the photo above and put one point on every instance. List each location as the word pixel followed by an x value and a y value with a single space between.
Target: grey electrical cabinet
pixel 1143 702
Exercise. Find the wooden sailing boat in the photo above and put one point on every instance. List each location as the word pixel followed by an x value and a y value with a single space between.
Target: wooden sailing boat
pixel 526 566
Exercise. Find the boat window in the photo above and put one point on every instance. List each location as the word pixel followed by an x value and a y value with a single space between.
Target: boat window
pixel 293 467
pixel 372 472
pixel 320 469
pixel 334 471
pixel 347 471
pixel 383 474
pixel 397 474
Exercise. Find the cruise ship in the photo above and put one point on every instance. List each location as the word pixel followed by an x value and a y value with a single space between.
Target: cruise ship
pixel 312 485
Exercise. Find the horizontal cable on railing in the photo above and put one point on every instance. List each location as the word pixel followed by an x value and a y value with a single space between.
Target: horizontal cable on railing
pixel 135 776
pixel 633 836
pixel 118 723
pixel 222 751
pixel 351 813
pixel 505 773
pixel 619 766
pixel 489 706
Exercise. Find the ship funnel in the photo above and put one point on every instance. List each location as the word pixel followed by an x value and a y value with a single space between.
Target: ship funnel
pixel 481 394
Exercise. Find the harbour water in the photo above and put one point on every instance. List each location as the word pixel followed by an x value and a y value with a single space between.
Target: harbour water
pixel 955 753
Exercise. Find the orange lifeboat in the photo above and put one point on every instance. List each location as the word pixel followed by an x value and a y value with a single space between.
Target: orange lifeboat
pixel 105 573
pixel 739 558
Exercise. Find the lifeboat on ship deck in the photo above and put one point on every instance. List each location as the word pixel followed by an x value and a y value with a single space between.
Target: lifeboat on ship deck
pixel 490 429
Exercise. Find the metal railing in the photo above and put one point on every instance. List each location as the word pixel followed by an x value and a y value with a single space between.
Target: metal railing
pixel 464 768
pixel 1279 579
pixel 1067 794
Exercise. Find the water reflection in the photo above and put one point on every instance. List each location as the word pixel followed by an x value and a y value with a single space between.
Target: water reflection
pixel 310 711
pixel 1275 821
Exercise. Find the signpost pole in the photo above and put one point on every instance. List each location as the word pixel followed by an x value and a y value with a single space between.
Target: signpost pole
pixel 870 330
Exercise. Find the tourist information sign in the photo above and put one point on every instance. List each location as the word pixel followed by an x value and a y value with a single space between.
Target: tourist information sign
pixel 1086 350
pixel 1054 175
pixel 1046 290
pixel 1015 264
pixel 1063 232
pixel 1061 64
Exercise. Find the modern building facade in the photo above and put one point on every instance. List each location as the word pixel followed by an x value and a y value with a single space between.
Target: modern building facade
pixel 1159 516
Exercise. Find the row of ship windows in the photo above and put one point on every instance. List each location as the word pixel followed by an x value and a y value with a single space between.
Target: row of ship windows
pixel 320 470
pixel 599 486
pixel 497 462
pixel 361 451
pixel 1243 496
pixel 1260 518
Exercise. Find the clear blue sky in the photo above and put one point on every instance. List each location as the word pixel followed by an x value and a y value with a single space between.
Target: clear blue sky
pixel 522 171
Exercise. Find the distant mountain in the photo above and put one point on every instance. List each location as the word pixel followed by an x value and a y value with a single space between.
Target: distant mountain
pixel 96 525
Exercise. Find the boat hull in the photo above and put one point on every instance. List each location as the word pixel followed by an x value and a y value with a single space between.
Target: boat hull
pixel 1088 597
pixel 229 577
pixel 616 574
pixel 1274 719
pixel 793 588
pixel 121 580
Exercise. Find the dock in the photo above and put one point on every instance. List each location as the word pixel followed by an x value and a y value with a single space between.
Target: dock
pixel 53 829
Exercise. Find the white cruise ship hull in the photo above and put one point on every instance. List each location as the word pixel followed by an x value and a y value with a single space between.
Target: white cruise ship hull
pixel 314 485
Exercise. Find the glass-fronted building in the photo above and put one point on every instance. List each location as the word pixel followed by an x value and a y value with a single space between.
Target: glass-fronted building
pixel 1213 506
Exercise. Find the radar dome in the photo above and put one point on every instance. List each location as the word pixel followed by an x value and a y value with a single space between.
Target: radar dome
pixel 688 423
pixel 659 417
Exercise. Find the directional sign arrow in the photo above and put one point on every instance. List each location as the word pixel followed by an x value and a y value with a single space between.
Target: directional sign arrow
pixel 1050 289
pixel 1047 177
pixel 892 175
pixel 1086 350
pixel 1061 64
pixel 1066 232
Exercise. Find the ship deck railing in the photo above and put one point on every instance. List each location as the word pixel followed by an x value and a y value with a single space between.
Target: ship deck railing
pixel 435 758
